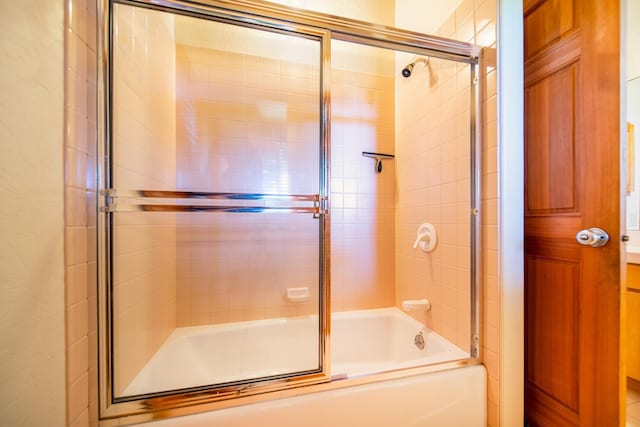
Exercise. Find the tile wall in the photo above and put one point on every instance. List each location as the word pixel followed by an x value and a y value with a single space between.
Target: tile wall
pixel 80 213
pixel 144 149
pixel 434 187
pixel 472 21
pixel 363 201
pixel 247 123
pixel 241 129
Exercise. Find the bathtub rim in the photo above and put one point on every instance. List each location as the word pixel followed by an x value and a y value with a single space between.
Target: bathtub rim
pixel 203 401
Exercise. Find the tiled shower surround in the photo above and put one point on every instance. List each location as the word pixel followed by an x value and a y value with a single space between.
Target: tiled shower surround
pixel 246 124
pixel 433 141
pixel 144 244
pixel 366 206
pixel 80 211
pixel 249 123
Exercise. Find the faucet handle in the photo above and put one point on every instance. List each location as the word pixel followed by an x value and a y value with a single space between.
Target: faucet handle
pixel 426 237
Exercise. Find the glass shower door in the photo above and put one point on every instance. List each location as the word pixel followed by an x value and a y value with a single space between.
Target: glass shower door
pixel 215 197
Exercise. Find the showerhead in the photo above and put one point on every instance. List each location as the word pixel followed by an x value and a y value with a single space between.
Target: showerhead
pixel 406 71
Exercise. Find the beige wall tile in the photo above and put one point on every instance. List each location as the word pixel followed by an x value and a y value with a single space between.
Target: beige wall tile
pixel 78 398
pixel 77 359
pixel 83 419
pixel 259 133
pixel 80 214
pixel 144 158
pixel 474 20
pixel 76 284
pixel 434 171
pixel 75 245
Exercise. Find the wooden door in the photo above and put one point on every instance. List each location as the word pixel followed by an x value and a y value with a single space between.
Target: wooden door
pixel 572 182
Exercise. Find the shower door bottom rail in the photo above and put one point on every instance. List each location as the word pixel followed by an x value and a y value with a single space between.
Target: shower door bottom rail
pixel 143 201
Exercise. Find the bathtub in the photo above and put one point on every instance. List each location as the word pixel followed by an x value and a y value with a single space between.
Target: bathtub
pixel 369 341
pixel 363 342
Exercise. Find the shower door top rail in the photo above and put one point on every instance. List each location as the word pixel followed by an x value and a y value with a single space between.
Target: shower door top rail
pixel 342 28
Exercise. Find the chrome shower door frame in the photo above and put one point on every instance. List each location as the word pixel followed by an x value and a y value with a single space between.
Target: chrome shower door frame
pixel 147 407
pixel 282 19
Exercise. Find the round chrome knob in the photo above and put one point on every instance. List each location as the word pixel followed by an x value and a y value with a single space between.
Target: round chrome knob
pixel 594 237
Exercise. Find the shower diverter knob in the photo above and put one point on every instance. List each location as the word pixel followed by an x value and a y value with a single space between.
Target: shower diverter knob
pixel 426 237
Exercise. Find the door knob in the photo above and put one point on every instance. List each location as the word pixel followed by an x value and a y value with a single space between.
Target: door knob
pixel 594 237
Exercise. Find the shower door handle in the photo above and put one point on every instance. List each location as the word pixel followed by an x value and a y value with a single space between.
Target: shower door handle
pixel 143 201
pixel 594 237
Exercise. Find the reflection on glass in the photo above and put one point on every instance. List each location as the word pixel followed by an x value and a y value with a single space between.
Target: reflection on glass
pixel 423 120
pixel 200 298
pixel 203 299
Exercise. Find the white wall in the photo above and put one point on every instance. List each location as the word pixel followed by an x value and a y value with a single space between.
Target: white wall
pixel 633 38
pixel 32 356
pixel 511 136
pixel 632 17
pixel 410 15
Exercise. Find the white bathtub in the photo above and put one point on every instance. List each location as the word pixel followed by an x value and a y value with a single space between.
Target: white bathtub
pixel 369 341
pixel 212 354
pixel 363 342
